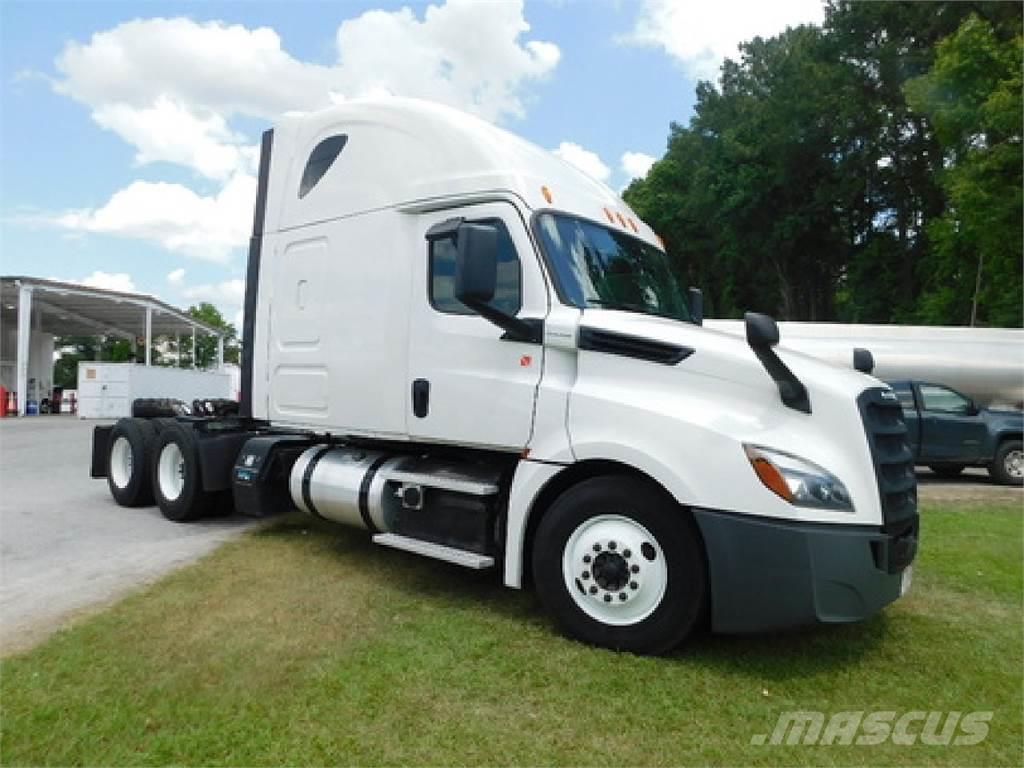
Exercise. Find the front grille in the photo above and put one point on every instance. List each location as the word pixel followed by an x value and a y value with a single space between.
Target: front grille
pixel 893 460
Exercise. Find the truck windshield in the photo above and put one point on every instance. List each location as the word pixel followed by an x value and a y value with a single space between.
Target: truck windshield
pixel 595 266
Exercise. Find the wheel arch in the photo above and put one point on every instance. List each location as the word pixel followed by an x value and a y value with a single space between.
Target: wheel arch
pixel 519 548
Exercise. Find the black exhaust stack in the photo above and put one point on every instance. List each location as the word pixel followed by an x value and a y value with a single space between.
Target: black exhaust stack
pixel 252 275
pixel 762 335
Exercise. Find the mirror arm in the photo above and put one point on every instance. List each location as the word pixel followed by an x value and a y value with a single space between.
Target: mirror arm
pixel 516 329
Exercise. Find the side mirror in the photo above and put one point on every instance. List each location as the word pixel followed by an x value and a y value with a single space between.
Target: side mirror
pixel 476 263
pixel 696 306
pixel 863 360
pixel 762 331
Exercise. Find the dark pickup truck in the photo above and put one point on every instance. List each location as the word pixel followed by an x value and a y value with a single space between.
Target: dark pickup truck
pixel 948 432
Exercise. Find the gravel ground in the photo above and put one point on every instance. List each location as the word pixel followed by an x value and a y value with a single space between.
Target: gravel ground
pixel 65 547
pixel 974 485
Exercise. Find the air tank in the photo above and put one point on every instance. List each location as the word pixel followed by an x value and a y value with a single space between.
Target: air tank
pixel 987 364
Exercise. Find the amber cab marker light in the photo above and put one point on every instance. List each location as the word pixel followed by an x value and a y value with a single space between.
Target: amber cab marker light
pixel 609 215
pixel 547 194
pixel 632 225
pixel 622 221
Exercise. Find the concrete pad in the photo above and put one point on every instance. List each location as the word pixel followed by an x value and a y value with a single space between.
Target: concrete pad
pixel 65 546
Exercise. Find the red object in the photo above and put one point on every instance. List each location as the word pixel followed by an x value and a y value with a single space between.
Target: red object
pixel 3 402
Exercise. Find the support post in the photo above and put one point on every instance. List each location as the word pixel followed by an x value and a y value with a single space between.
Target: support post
pixel 24 331
pixel 194 362
pixel 177 350
pixel 220 352
pixel 149 334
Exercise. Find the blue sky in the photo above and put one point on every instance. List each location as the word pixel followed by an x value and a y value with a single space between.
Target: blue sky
pixel 127 129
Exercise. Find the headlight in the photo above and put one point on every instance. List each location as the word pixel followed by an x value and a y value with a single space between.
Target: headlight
pixel 797 480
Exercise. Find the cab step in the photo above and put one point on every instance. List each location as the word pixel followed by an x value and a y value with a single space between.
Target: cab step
pixel 437 551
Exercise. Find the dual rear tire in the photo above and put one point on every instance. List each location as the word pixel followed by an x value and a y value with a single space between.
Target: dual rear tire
pixel 157 460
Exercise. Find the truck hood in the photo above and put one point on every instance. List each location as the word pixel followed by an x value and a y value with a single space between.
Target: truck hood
pixel 728 357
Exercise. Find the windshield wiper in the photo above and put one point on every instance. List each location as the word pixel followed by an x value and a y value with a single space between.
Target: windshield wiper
pixel 622 305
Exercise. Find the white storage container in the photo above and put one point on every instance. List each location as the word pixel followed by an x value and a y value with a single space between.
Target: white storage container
pixel 107 390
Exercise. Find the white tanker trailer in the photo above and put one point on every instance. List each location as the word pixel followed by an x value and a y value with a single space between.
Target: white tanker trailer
pixel 986 364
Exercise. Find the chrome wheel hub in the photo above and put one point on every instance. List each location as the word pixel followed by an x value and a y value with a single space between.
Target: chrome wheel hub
pixel 615 570
pixel 1014 464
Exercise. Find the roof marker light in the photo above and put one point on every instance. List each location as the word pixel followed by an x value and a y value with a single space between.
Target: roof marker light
pixel 547 194
pixel 632 225
pixel 622 221
pixel 609 215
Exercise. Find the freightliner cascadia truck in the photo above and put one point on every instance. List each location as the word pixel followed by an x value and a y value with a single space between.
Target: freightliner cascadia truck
pixel 465 346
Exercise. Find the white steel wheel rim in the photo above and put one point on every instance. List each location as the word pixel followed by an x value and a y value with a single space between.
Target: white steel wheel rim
pixel 1014 464
pixel 121 462
pixel 171 471
pixel 615 570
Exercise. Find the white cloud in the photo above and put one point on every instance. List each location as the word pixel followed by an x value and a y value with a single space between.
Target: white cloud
pixel 176 276
pixel 583 159
pixel 636 164
pixel 229 292
pixel 171 132
pixel 117 281
pixel 173 88
pixel 701 34
pixel 175 217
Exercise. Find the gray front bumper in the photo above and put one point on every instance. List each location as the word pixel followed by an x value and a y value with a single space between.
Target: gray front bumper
pixel 768 575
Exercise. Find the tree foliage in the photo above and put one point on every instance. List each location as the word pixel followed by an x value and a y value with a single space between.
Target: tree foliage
pixel 859 171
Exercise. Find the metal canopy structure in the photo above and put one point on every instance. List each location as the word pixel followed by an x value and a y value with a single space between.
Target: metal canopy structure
pixel 69 309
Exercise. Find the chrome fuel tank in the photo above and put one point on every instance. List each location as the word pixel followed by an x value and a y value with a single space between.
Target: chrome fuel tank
pixel 345 485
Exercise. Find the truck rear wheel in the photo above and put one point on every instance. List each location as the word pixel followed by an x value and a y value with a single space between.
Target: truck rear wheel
pixel 1008 465
pixel 618 563
pixel 177 484
pixel 128 462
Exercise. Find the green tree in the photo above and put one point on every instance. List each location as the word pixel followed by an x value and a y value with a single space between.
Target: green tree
pixel 972 96
pixel 206 345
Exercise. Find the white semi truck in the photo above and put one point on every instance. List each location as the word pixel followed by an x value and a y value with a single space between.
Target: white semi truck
pixel 477 353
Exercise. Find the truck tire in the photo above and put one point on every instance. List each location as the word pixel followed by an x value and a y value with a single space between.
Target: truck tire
pixel 947 470
pixel 618 563
pixel 177 484
pixel 1008 465
pixel 128 462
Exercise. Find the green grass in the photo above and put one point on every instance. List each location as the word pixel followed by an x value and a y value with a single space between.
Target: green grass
pixel 305 644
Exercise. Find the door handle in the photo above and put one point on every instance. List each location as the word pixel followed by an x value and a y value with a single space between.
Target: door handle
pixel 420 397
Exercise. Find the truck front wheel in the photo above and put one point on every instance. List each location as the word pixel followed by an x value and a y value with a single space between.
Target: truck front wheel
pixel 128 460
pixel 1008 465
pixel 177 484
pixel 618 563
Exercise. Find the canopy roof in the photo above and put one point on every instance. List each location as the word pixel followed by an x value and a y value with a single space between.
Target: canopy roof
pixel 68 309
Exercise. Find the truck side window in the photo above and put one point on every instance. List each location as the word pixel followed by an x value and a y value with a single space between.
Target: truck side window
pixel 508 295
pixel 320 159
pixel 936 398
pixel 906 397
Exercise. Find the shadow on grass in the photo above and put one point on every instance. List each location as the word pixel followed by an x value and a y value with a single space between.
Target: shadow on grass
pixel 772 656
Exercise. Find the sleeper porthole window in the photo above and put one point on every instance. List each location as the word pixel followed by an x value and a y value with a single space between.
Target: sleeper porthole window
pixel 320 160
